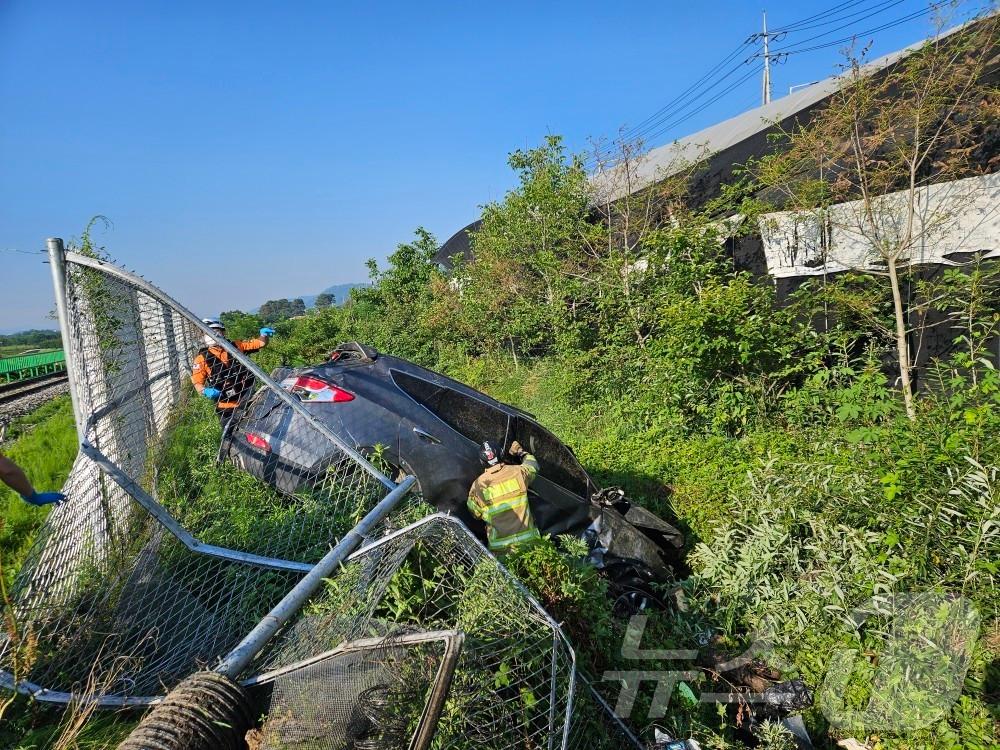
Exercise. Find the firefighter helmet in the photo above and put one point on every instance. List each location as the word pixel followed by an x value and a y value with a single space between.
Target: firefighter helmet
pixel 488 456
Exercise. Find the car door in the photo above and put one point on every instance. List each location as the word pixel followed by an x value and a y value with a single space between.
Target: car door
pixel 557 462
pixel 472 418
pixel 441 437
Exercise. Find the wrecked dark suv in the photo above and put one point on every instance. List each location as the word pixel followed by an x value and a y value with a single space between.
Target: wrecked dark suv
pixel 425 424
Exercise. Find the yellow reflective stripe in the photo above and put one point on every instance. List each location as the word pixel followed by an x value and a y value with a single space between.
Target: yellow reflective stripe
pixel 474 507
pixel 503 488
pixel 495 510
pixel 506 541
pixel 530 466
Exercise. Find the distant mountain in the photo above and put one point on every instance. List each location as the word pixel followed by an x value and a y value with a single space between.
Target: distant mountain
pixel 340 293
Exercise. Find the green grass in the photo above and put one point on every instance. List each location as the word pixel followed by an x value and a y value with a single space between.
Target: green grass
pixel 40 728
pixel 223 505
pixel 44 445
pixel 791 525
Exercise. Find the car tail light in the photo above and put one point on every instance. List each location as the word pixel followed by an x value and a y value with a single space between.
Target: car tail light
pixel 259 440
pixel 314 390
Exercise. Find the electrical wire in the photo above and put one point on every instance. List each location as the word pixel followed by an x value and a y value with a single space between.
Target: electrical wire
pixel 676 111
pixel 735 85
pixel 821 14
pixel 803 23
pixel 687 102
pixel 793 49
pixel 868 12
pixel 722 63
pixel 678 103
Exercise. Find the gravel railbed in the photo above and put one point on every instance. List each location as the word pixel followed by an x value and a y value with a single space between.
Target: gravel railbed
pixel 30 402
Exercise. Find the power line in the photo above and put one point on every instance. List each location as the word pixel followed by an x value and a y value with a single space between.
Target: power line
pixel 801 23
pixel 874 10
pixel 666 107
pixel 735 85
pixel 678 109
pixel 821 14
pixel 793 49
pixel 688 101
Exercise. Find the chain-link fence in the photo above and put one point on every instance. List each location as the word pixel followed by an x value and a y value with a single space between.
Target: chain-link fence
pixel 515 683
pixel 166 557
pixel 163 557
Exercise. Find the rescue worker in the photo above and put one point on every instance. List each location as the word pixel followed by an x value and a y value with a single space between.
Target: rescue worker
pixel 14 477
pixel 217 378
pixel 499 497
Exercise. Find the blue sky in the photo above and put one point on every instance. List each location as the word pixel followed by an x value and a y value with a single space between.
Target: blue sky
pixel 255 150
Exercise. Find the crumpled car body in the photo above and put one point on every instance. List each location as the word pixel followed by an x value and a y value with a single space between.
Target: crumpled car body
pixel 422 423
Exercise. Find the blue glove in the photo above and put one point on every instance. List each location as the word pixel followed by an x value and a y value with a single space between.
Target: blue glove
pixel 44 498
pixel 212 393
pixel 266 331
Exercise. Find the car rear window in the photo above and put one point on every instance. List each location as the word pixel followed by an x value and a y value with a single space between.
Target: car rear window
pixel 556 461
pixel 475 419
pixel 479 421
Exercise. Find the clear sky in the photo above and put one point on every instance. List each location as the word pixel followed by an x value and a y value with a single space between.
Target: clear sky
pixel 254 150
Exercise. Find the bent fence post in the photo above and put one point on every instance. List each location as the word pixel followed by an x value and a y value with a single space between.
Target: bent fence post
pixel 141 578
pixel 57 262
pixel 239 658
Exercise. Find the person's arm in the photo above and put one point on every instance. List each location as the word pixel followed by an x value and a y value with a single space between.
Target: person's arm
pixel 14 477
pixel 473 503
pixel 199 374
pixel 253 345
pixel 529 465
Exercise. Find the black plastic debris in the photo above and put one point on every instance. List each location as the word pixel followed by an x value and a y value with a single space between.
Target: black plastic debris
pixel 786 697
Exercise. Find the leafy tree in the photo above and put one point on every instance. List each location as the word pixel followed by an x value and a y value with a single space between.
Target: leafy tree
pixel 524 291
pixel 894 132
pixel 276 310
pixel 394 313
pixel 324 300
pixel 33 337
pixel 241 325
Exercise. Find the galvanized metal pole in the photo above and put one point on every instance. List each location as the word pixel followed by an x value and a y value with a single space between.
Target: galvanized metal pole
pixel 57 261
pixel 241 656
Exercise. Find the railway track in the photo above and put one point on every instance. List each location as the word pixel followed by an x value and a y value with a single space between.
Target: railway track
pixel 11 393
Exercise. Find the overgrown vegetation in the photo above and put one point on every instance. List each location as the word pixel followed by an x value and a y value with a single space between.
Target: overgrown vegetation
pixel 808 482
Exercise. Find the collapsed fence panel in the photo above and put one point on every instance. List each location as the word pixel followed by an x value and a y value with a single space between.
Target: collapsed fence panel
pixel 515 682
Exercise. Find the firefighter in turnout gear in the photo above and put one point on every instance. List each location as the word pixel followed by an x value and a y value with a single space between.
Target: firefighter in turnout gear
pixel 218 378
pixel 499 497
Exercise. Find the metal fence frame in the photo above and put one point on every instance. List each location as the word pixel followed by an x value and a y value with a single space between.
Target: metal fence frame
pixel 314 573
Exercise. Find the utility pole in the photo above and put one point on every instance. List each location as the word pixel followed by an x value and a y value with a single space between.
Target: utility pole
pixel 766 93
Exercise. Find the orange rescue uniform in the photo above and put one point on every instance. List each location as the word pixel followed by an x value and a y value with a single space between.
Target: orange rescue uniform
pixel 212 368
